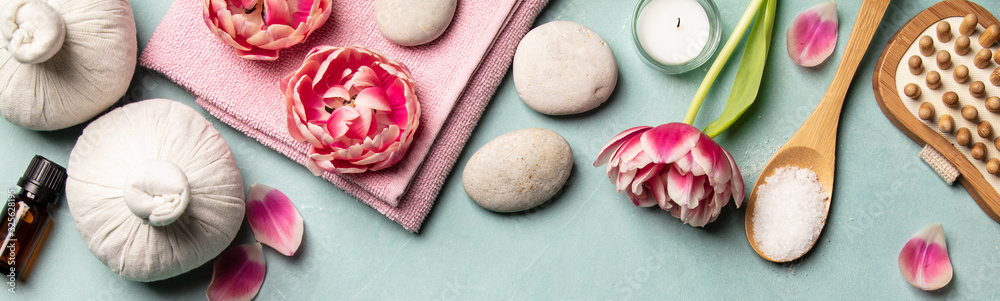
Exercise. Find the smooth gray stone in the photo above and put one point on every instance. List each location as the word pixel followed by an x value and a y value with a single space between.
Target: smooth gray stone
pixel 563 68
pixel 518 170
pixel 413 22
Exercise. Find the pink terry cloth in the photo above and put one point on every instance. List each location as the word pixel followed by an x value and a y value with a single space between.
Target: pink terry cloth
pixel 455 75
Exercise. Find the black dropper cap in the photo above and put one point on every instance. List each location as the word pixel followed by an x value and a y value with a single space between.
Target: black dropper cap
pixel 43 178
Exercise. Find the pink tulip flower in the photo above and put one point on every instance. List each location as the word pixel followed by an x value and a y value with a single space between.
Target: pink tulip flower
pixel 675 166
pixel 356 108
pixel 257 29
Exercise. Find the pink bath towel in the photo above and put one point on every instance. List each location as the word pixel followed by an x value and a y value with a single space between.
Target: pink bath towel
pixel 456 76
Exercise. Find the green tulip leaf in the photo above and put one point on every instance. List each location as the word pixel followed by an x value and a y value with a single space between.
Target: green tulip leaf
pixel 751 70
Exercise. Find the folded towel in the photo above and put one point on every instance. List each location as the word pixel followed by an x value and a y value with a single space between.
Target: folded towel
pixel 456 75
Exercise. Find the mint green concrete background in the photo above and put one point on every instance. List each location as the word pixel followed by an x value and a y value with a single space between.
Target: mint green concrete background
pixel 588 243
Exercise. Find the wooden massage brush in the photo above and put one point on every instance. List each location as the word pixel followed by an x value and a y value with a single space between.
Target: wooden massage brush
pixel 938 81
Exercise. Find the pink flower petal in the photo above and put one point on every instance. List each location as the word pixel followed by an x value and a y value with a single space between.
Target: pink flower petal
pixel 302 9
pixel 350 123
pixel 275 37
pixel 645 174
pixel 631 150
pixel 258 54
pixel 685 162
pixel 245 26
pixel 364 77
pixel 641 200
pixel 333 69
pixel 671 141
pixel 247 4
pixel 680 186
pixel 924 259
pixel 334 97
pixel 276 12
pixel 312 104
pixel 624 179
pixel 737 188
pixel 340 121
pixel 710 158
pixel 611 147
pixel 365 125
pixel 658 185
pixel 813 35
pixel 274 219
pixel 238 273
pixel 374 98
pixel 399 114
pixel 700 214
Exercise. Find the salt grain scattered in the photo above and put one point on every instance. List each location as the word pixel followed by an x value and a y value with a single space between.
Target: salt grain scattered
pixel 758 156
pixel 789 213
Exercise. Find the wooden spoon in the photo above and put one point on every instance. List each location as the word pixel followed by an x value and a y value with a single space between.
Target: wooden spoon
pixel 814 145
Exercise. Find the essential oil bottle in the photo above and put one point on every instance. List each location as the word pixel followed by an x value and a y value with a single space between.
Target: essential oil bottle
pixel 26 214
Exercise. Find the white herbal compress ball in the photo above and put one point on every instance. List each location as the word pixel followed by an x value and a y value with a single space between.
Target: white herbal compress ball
pixel 154 190
pixel 64 61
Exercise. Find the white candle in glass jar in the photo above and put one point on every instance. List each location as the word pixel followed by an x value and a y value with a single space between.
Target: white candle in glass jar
pixel 673 32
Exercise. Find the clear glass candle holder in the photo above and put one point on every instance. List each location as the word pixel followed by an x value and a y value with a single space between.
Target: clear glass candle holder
pixel 670 65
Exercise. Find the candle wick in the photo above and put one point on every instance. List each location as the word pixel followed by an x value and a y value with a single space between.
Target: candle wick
pixel 678 22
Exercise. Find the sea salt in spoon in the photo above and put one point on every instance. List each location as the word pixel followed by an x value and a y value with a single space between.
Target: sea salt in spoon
pixel 814 145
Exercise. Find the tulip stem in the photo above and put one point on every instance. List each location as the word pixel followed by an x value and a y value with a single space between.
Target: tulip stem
pixel 720 61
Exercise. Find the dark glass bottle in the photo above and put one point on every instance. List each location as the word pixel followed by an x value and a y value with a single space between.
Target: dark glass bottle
pixel 26 214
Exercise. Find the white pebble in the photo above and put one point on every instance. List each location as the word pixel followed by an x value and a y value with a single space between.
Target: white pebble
pixel 789 213
pixel 518 170
pixel 563 68
pixel 413 22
